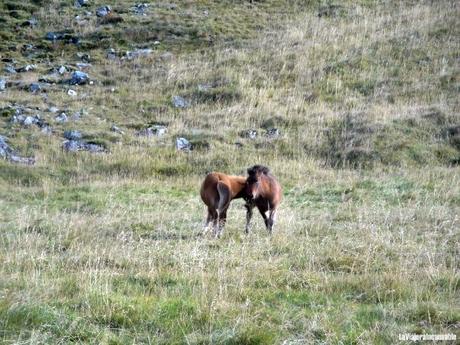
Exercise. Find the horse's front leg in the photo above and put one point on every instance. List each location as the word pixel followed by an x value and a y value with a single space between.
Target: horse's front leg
pixel 271 220
pixel 249 207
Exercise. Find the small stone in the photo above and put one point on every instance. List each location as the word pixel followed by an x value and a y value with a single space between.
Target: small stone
pixel 62 70
pixel 29 120
pixel 46 129
pixel 2 84
pixel 112 54
pixel 250 133
pixel 53 109
pixel 79 78
pixel 72 145
pixel 6 152
pixel 81 3
pixel 61 118
pixel 10 69
pixel 79 145
pixel 84 57
pixel 26 68
pixel 30 22
pixel 72 93
pixel 116 129
pixel 34 87
pixel 103 11
pixel 83 65
pixel 155 130
pixel 140 9
pixel 204 87
pixel 167 56
pixel 183 144
pixel 76 116
pixel 54 36
pixel 138 53
pixel 273 133
pixel 72 135
pixel 180 102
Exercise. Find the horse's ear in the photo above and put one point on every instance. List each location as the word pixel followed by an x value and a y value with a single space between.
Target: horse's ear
pixel 265 170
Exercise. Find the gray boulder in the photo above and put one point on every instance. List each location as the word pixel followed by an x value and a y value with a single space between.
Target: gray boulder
pixel 10 69
pixel 79 78
pixel 273 133
pixel 183 144
pixel 6 152
pixel 80 145
pixel 116 129
pixel 153 131
pixel 103 11
pixel 2 84
pixel 35 87
pixel 61 118
pixel 72 135
pixel 180 102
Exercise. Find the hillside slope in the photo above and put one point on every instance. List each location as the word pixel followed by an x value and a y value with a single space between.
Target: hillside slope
pixel 353 105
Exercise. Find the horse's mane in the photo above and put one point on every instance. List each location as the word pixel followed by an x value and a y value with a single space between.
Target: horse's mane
pixel 258 169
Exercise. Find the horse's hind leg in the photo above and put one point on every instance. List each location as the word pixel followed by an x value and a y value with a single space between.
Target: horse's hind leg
pixel 224 202
pixel 212 216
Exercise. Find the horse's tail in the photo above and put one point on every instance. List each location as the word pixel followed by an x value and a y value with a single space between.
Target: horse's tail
pixel 224 196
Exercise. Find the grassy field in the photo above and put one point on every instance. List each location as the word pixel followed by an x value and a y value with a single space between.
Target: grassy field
pixel 107 248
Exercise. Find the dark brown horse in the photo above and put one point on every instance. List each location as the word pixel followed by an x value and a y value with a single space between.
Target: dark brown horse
pixel 265 192
pixel 217 191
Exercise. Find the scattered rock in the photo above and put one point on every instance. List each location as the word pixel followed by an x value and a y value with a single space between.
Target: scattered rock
pixel 30 22
pixel 183 144
pixel 116 129
pixel 73 135
pixel 53 109
pixel 140 9
pixel 35 87
pixel 84 57
pixel 83 65
pixel 10 69
pixel 103 11
pixel 81 3
pixel 250 134
pixel 62 36
pixel 153 131
pixel 48 80
pixel 54 36
pixel 167 56
pixel 79 78
pixel 112 54
pixel 204 87
pixel 6 152
pixel 46 129
pixel 138 53
pixel 62 70
pixel 77 115
pixel 273 133
pixel 26 68
pixel 61 118
pixel 80 145
pixel 180 102
pixel 2 84
pixel 72 93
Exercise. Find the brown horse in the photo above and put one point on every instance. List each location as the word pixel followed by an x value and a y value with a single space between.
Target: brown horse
pixel 217 191
pixel 265 193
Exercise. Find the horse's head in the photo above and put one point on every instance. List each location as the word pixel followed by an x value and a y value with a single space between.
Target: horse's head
pixel 253 180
